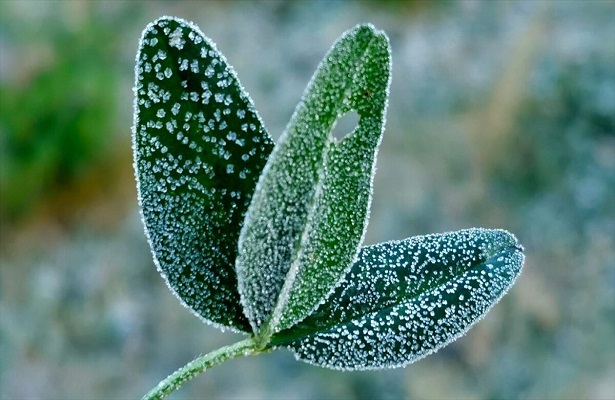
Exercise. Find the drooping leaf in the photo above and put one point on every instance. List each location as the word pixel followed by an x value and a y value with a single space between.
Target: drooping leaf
pixel 308 214
pixel 403 300
pixel 199 148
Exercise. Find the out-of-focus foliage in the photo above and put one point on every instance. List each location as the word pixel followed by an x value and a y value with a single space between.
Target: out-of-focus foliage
pixel 570 107
pixel 501 115
pixel 58 117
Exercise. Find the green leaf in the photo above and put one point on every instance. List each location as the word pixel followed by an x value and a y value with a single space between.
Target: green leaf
pixel 308 214
pixel 403 300
pixel 199 148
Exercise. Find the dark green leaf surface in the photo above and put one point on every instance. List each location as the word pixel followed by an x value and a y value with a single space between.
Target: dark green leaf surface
pixel 199 148
pixel 403 300
pixel 309 212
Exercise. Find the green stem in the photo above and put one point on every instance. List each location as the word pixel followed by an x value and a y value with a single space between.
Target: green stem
pixel 198 365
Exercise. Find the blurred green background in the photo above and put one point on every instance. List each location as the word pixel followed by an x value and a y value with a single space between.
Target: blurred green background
pixel 502 114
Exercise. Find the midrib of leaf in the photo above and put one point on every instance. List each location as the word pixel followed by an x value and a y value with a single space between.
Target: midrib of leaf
pixel 284 297
pixel 403 301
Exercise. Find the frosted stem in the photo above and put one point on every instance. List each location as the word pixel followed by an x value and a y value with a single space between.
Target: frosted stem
pixel 172 382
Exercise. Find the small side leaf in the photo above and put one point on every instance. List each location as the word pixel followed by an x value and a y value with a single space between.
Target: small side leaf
pixel 199 148
pixel 308 214
pixel 406 299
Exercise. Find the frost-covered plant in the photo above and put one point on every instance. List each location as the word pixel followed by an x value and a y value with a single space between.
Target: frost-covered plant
pixel 266 239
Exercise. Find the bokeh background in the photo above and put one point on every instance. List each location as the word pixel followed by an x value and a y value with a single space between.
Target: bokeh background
pixel 502 114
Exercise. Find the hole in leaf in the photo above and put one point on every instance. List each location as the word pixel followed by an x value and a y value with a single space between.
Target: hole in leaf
pixel 344 125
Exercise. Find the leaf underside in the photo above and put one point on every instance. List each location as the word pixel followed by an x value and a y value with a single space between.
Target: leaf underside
pixel 403 300
pixel 309 212
pixel 199 148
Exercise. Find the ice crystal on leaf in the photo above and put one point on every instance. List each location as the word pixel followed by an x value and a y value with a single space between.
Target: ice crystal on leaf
pixel 267 240
pixel 403 300
pixel 194 183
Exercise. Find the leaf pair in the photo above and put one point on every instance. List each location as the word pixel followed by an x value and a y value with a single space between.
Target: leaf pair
pixel 267 240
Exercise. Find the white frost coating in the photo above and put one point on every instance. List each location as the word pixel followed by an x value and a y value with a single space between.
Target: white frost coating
pixel 301 275
pixel 406 299
pixel 309 211
pixel 193 191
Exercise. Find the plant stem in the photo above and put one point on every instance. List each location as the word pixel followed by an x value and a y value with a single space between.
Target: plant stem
pixel 198 365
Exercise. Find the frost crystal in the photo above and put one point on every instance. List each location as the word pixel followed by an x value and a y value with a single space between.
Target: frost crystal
pixel 192 196
pixel 403 300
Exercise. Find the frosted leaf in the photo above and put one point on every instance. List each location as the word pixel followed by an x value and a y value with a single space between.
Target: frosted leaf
pixel 406 299
pixel 193 199
pixel 309 211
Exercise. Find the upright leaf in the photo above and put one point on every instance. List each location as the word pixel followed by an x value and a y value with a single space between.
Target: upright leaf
pixel 309 211
pixel 199 148
pixel 406 299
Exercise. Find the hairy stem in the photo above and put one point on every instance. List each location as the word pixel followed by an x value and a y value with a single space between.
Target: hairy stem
pixel 198 365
